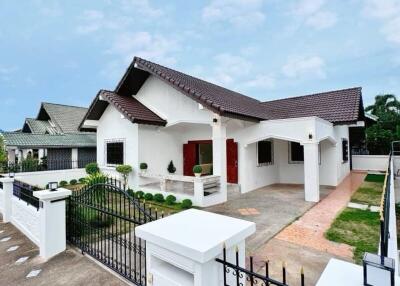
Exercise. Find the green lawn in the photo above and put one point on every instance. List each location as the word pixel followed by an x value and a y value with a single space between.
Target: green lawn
pixel 358 228
pixel 369 193
pixel 377 178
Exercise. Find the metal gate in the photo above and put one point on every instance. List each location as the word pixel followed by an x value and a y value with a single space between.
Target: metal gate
pixel 101 221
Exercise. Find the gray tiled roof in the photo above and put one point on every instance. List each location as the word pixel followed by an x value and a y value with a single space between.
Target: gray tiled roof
pixel 19 139
pixel 41 126
pixel 66 117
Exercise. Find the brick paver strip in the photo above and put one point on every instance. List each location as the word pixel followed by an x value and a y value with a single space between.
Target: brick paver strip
pixel 310 228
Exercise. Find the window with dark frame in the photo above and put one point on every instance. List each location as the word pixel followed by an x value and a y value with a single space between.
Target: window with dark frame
pixel 296 152
pixel 264 153
pixel 345 150
pixel 115 153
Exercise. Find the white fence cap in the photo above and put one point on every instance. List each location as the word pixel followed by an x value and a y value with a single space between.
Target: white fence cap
pixel 47 195
pixel 196 234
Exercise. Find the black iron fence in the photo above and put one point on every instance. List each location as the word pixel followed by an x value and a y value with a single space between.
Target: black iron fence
pixel 385 211
pixel 236 275
pixel 33 165
pixel 24 192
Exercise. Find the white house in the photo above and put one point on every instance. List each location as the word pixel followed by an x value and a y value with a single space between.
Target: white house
pixel 157 114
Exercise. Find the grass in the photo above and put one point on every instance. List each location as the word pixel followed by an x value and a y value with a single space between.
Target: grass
pixel 376 178
pixel 370 193
pixel 357 228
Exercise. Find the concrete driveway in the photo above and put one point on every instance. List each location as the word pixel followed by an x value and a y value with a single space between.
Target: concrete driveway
pixel 272 208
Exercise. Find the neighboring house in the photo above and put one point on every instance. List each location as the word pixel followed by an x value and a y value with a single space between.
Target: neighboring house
pixel 157 114
pixel 53 135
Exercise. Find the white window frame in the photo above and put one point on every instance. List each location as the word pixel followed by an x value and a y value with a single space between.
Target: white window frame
pixel 107 141
pixel 272 154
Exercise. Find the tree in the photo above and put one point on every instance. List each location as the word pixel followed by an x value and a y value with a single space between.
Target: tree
pixel 3 153
pixel 124 170
pixel 387 129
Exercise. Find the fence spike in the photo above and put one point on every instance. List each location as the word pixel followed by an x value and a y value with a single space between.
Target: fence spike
pixel 237 248
pixel 302 270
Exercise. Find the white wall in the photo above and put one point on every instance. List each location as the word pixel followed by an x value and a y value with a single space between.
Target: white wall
pixel 41 179
pixel 370 162
pixel 343 168
pixel 26 219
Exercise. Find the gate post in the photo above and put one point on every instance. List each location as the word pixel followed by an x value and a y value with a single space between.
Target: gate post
pixel 5 200
pixel 181 249
pixel 52 236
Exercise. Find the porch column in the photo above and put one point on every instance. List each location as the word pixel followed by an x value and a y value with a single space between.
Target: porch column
pixel 219 152
pixel 311 172
pixel 11 155
pixel 74 158
pixel 132 158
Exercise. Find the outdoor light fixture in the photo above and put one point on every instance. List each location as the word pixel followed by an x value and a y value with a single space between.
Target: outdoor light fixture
pixel 53 186
pixel 310 135
pixel 378 270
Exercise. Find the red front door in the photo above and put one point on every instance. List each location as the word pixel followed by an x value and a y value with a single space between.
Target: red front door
pixel 189 158
pixel 231 161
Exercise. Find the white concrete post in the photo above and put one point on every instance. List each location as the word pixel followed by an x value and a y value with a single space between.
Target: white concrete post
pixel 181 249
pixel 134 178
pixel 74 158
pixel 219 152
pixel 311 172
pixel 11 155
pixel 6 194
pixel 52 221
pixel 198 192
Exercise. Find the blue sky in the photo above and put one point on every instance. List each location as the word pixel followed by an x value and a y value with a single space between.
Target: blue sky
pixel 65 51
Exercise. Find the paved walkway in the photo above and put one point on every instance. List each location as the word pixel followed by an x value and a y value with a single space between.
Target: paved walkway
pixel 21 265
pixel 272 208
pixel 303 243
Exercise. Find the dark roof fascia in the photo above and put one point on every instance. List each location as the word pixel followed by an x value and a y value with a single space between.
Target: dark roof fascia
pixel 92 105
pixel 26 123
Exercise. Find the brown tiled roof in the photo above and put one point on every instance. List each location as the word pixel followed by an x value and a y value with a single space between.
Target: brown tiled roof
pixel 339 106
pixel 127 105
pixel 219 99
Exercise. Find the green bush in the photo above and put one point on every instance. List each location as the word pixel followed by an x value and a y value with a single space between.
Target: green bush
pixel 159 198
pixel 92 168
pixel 170 199
pixel 148 197
pixel 82 180
pixel 124 170
pixel 73 182
pixel 96 178
pixel 139 195
pixel 100 220
pixel 186 204
pixel 143 166
pixel 63 183
pixel 197 169
pixel 130 192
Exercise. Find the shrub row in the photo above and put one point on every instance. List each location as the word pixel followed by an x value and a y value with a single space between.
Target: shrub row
pixel 159 198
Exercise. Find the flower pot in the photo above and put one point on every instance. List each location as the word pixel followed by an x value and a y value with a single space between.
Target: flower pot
pixel 197 175
pixel 143 171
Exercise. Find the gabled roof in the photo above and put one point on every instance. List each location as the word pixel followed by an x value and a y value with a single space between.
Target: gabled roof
pixel 28 140
pixel 39 127
pixel 216 98
pixel 67 118
pixel 338 106
pixel 130 107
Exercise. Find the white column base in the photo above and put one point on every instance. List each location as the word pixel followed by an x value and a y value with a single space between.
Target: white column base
pixel 7 194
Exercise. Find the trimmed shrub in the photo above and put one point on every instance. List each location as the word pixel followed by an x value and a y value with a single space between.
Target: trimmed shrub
pixel 143 166
pixel 92 168
pixel 139 195
pixel 63 183
pixel 197 169
pixel 130 192
pixel 171 168
pixel 82 180
pixel 159 198
pixel 73 182
pixel 170 199
pixel 124 170
pixel 148 197
pixel 186 204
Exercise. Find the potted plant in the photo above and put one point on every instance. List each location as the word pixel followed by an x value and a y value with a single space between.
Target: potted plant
pixel 171 168
pixel 197 169
pixel 143 167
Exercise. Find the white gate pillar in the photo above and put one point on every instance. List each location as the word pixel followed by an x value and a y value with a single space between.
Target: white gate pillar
pixel 181 249
pixel 5 199
pixel 311 172
pixel 52 235
pixel 219 152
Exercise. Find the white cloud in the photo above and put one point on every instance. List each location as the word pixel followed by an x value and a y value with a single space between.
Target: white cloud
pixel 229 67
pixel 142 7
pixel 240 13
pixel 7 72
pixel 93 20
pixel 313 14
pixel 305 67
pixel 387 11
pixel 261 81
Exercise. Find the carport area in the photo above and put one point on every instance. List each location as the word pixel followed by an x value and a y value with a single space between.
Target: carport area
pixel 272 208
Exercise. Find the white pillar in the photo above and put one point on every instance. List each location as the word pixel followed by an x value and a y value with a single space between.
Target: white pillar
pixel 41 155
pixel 52 221
pixel 6 196
pixel 219 152
pixel 133 158
pixel 11 155
pixel 74 158
pixel 186 257
pixel 311 172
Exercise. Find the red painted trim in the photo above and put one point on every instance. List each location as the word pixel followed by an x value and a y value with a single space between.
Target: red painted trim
pixel 200 142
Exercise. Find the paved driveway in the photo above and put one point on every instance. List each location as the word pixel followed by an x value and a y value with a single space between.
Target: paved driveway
pixel 272 208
